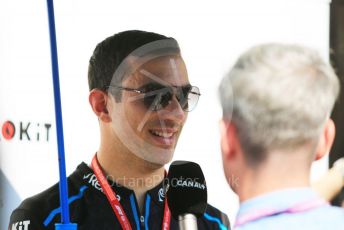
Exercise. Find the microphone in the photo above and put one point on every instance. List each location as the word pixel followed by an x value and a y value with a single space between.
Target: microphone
pixel 186 193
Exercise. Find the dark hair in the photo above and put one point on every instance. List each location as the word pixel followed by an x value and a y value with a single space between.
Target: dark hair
pixel 110 53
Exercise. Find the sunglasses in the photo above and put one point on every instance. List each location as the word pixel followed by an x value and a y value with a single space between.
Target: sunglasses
pixel 156 96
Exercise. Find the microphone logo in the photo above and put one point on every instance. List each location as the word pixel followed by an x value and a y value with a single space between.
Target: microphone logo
pixel 190 184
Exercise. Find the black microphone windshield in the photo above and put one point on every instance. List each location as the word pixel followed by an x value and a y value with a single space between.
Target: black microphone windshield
pixel 187 191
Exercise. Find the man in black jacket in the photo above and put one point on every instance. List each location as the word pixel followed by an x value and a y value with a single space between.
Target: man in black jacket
pixel 140 92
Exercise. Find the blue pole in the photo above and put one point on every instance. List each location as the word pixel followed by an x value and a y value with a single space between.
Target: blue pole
pixel 65 222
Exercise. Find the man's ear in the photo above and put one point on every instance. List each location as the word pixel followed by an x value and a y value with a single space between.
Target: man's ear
pixel 326 140
pixel 98 100
pixel 224 136
pixel 229 139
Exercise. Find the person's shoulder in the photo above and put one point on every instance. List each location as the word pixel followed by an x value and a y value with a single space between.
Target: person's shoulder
pixel 34 210
pixel 211 211
pixel 215 219
pixel 49 198
pixel 334 215
pixel 326 217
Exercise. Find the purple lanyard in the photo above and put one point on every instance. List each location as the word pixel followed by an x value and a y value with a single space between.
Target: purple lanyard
pixel 297 208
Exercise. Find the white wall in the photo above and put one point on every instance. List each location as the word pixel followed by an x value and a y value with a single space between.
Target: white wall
pixel 211 34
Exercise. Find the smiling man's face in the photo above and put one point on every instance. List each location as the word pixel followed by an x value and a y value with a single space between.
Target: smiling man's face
pixel 149 134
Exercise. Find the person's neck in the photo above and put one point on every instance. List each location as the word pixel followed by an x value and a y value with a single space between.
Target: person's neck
pixel 131 172
pixel 273 175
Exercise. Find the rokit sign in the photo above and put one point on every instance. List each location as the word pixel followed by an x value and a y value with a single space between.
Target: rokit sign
pixel 25 131
pixel 21 225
